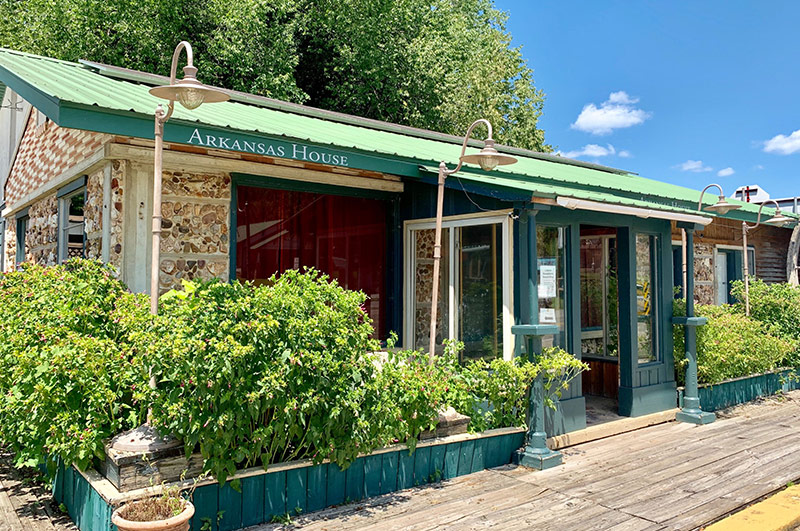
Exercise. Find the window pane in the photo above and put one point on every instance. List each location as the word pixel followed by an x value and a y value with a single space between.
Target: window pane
pixel 479 290
pixel 423 242
pixel 344 237
pixel 645 297
pixel 550 243
pixel 72 231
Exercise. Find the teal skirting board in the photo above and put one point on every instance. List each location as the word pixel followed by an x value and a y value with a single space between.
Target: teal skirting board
pixel 741 390
pixel 288 489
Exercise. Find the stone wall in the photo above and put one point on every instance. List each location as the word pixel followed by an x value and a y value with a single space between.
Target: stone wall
pixel 93 215
pixel 41 244
pixel 46 151
pixel 118 169
pixel 423 280
pixel 195 227
pixel 704 273
pixel 10 241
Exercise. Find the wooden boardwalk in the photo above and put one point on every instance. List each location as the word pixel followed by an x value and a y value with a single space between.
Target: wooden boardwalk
pixel 26 505
pixel 670 476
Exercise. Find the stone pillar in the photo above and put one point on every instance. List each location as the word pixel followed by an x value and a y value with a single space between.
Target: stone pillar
pixel 691 411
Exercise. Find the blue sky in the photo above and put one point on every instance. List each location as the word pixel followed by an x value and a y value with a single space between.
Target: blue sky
pixel 685 92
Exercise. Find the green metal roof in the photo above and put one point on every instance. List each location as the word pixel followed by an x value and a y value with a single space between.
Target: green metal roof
pixel 113 100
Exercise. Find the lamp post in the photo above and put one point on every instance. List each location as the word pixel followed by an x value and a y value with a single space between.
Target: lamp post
pixel 778 220
pixel 691 411
pixel 191 94
pixel 488 158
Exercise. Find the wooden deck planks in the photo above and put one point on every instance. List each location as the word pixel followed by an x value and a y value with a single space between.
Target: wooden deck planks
pixel 666 477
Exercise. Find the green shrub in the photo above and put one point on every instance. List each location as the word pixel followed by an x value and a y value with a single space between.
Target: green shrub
pixel 67 375
pixel 775 305
pixel 731 345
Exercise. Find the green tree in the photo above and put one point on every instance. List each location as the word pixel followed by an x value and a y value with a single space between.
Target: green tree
pixel 434 64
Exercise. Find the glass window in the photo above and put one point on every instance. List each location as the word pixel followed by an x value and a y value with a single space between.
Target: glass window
pixel 599 296
pixel 71 236
pixel 646 297
pixel 472 298
pixel 22 239
pixel 344 237
pixel 479 290
pixel 551 266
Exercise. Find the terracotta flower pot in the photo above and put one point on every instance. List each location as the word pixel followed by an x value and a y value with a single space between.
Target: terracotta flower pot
pixel 176 523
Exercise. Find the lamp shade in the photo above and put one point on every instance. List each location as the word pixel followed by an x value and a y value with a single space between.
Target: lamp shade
pixel 189 92
pixel 722 206
pixel 779 220
pixel 488 158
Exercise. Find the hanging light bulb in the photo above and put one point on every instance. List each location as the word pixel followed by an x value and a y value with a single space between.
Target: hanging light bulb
pixel 488 158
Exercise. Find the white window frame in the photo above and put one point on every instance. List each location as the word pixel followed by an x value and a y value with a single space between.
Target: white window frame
pixel 63 222
pixel 449 223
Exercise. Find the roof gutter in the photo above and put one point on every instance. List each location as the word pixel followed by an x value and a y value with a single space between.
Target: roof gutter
pixel 644 213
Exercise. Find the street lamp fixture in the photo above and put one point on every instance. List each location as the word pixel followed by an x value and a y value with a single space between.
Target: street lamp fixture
pixel 191 94
pixel 488 159
pixel 778 220
pixel 721 207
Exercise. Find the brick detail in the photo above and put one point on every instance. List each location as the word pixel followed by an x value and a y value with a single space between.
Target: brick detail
pixel 45 152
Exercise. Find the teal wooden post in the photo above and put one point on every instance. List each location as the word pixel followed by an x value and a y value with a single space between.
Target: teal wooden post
pixel 691 411
pixel 535 453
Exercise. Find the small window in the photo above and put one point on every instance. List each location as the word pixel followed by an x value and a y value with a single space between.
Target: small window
pixel 647 297
pixel 751 261
pixel 22 238
pixel 71 236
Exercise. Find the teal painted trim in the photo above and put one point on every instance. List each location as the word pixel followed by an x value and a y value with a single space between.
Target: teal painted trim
pixel 746 389
pixel 355 481
pixel 389 463
pixel 689 321
pixel 405 470
pixel 486 190
pixel 534 329
pixel 296 490
pixel 690 226
pixel 465 458
pixel 49 105
pixel 422 464
pixel 569 415
pixel 275 501
pixel 317 488
pixel 230 502
pixel 74 186
pixel 372 475
pixel 313 487
pixel 451 461
pixel 141 126
pixel 22 213
pixel 253 493
pixel 206 504
pixel 337 480
pixel 638 401
pixel 243 179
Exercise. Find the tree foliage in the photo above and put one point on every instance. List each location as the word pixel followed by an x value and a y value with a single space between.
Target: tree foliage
pixel 435 64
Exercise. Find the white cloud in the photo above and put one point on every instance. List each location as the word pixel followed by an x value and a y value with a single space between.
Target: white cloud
pixel 758 167
pixel 625 154
pixel 590 150
pixel 725 172
pixel 782 144
pixel 695 166
pixel 617 112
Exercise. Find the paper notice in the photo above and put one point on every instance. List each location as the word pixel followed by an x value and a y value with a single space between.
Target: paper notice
pixel 547 315
pixel 547 281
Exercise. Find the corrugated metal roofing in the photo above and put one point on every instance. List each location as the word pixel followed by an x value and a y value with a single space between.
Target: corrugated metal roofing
pixel 57 82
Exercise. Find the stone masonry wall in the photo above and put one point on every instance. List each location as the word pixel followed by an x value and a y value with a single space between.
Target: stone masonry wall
pixel 118 169
pixel 93 215
pixel 195 225
pixel 10 244
pixel 46 151
pixel 41 244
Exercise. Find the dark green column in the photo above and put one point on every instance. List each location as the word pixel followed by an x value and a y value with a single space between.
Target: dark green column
pixel 535 453
pixel 691 411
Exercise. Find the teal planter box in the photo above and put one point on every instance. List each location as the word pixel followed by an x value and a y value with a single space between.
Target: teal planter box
pixel 745 389
pixel 300 485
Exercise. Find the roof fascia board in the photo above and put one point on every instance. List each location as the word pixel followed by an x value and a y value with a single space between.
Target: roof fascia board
pixel 196 134
pixel 45 103
pixel 500 193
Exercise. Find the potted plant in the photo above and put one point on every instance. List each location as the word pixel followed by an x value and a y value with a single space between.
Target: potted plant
pixel 168 512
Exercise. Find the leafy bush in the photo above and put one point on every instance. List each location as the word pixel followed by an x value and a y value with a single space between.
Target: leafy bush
pixel 731 345
pixel 67 375
pixel 775 305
